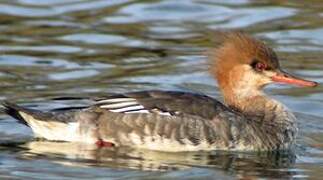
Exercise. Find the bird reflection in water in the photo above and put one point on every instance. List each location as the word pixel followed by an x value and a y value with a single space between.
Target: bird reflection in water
pixel 243 165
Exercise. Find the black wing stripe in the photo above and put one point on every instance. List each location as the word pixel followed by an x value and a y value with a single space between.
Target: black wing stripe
pixel 138 111
pixel 115 100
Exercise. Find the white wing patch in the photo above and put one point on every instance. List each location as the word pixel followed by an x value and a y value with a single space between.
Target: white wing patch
pixel 127 105
pixel 120 105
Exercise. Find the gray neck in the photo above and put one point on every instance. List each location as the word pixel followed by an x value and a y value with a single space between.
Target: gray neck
pixel 264 109
pixel 278 122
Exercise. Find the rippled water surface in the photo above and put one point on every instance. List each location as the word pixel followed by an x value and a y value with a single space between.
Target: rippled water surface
pixel 80 48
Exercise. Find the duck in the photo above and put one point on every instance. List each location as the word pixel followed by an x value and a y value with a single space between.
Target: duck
pixel 174 121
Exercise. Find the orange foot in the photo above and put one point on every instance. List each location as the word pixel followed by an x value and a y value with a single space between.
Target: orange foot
pixel 101 143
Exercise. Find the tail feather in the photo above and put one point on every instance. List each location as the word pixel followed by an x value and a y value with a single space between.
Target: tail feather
pixel 13 110
pixel 52 126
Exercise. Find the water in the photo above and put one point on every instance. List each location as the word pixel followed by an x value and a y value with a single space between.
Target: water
pixel 78 48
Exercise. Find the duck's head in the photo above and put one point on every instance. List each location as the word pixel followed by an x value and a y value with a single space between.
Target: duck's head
pixel 244 65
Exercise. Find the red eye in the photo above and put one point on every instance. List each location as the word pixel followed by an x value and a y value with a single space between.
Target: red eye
pixel 260 66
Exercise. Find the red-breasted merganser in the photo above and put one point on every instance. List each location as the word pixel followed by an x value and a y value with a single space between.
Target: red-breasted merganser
pixel 181 121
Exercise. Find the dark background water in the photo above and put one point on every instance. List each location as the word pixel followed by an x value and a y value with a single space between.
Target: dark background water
pixel 80 48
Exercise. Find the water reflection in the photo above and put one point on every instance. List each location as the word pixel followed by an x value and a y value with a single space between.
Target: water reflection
pixel 239 164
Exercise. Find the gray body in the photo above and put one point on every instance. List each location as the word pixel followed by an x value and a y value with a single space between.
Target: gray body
pixel 166 121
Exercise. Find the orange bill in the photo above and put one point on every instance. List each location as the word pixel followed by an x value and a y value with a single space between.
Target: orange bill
pixel 283 77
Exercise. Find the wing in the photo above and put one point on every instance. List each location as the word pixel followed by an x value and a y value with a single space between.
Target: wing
pixel 169 121
pixel 164 103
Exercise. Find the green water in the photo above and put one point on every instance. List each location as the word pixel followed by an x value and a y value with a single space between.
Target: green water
pixel 80 48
